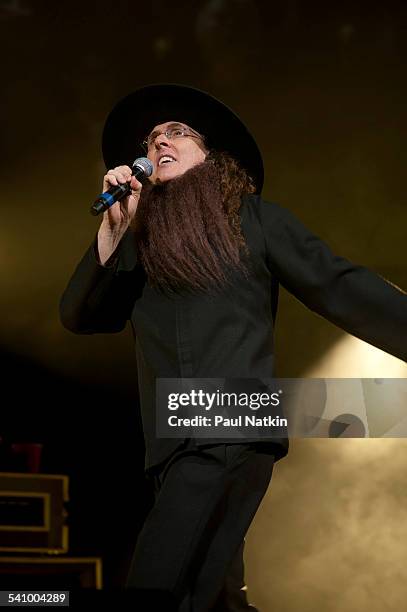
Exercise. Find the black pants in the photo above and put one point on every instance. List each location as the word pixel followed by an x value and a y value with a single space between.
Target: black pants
pixel 191 544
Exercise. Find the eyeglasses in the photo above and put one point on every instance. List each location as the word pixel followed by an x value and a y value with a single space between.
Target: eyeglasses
pixel 176 131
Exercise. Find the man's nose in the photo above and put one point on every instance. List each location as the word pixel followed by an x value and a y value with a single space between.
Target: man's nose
pixel 161 140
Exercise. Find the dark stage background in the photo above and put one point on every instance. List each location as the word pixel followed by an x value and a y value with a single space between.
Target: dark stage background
pixel 321 86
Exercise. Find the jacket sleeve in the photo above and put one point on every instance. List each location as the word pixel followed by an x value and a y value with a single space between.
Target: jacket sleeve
pixel 350 296
pixel 100 299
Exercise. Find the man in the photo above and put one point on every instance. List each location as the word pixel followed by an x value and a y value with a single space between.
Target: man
pixel 194 260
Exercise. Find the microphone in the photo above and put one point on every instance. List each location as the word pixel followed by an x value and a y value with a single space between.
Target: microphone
pixel 141 168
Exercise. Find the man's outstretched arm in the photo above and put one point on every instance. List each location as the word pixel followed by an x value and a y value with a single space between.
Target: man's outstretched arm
pixel 351 296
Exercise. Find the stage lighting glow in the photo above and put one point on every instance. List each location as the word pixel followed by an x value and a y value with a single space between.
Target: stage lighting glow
pixel 353 358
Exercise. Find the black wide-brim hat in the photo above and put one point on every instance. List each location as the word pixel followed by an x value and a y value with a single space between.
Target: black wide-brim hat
pixel 133 118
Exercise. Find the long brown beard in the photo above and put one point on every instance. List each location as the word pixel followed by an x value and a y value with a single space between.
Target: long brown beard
pixel 188 233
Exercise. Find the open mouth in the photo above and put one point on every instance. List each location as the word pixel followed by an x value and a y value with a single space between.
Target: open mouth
pixel 166 159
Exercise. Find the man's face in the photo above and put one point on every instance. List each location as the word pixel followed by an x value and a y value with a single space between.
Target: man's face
pixel 173 156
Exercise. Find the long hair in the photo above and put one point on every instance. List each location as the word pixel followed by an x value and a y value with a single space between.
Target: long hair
pixel 187 230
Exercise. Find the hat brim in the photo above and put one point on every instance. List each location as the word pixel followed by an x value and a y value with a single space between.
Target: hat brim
pixel 134 117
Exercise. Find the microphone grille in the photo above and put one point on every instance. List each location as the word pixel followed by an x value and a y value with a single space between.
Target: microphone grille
pixel 144 164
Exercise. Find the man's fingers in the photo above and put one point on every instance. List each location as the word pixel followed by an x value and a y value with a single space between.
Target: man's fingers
pixel 135 184
pixel 122 178
pixel 111 178
pixel 121 174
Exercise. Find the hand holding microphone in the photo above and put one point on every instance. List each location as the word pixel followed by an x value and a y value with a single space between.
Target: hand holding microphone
pixel 120 185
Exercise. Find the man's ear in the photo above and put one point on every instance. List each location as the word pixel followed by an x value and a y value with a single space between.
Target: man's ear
pixel 205 149
pixel 202 145
pixel 210 155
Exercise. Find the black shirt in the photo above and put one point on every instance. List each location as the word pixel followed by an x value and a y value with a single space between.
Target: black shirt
pixel 230 333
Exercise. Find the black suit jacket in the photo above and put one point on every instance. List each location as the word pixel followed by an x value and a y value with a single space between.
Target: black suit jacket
pixel 230 334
